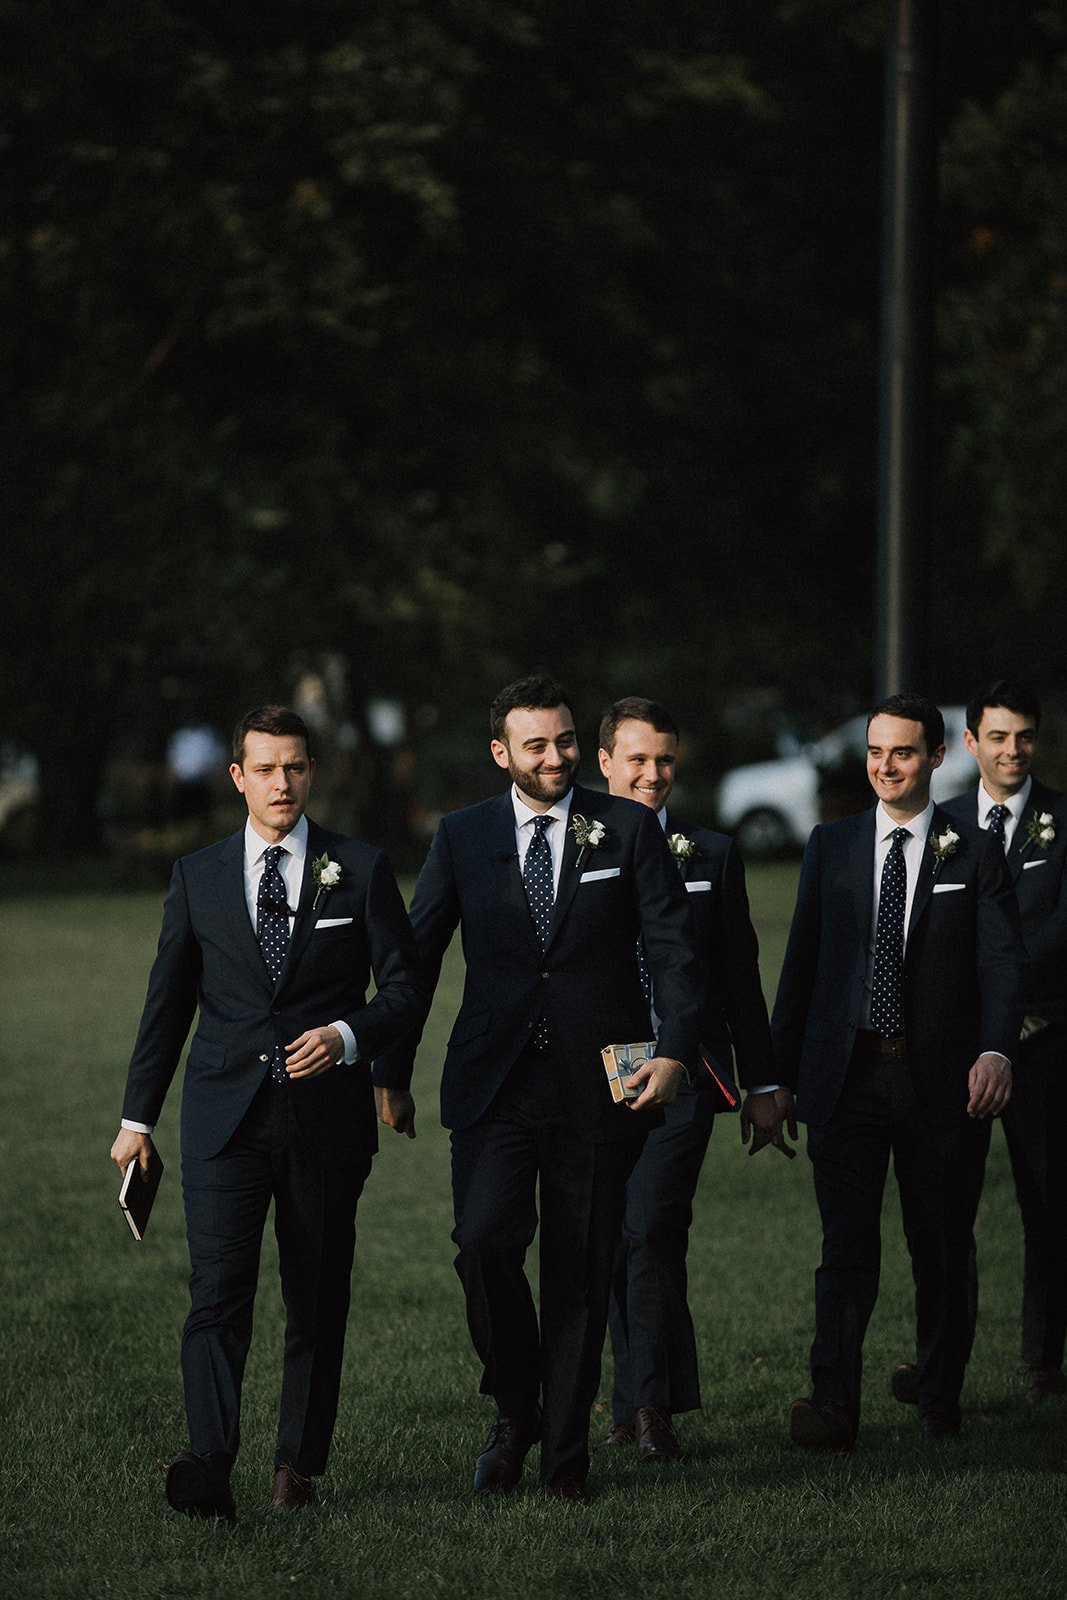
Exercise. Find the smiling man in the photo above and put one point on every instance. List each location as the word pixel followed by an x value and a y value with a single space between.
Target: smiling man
pixel 896 1022
pixel 552 886
pixel 1030 822
pixel 274 935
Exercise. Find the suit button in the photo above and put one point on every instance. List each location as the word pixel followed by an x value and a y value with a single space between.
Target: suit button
pixel 264 1058
pixel 544 974
pixel 275 1011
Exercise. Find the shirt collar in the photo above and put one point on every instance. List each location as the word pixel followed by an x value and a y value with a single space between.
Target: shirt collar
pixel 1016 803
pixel 918 827
pixel 525 814
pixel 661 817
pixel 294 844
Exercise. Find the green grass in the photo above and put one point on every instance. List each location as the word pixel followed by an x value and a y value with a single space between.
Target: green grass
pixel 91 1394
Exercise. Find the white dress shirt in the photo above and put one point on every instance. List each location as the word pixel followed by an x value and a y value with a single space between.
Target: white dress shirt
pixel 291 866
pixel 1016 804
pixel 555 833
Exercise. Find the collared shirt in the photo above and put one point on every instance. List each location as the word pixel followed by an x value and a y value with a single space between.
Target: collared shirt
pixel 1016 804
pixel 918 831
pixel 556 833
pixel 291 866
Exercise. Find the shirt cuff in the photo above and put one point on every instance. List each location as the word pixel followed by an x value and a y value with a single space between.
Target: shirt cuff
pixel 351 1054
pixel 764 1088
pixel 138 1127
pixel 1000 1054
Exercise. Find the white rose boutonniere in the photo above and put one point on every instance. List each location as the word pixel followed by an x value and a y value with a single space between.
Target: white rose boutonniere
pixel 681 848
pixel 1041 829
pixel 588 835
pixel 943 845
pixel 327 875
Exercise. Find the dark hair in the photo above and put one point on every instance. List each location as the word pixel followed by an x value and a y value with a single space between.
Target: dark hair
pixel 1012 696
pixel 278 720
pixel 913 708
pixel 531 694
pixel 633 708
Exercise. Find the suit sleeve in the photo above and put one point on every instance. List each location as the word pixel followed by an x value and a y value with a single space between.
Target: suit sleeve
pixel 169 1008
pixel 796 984
pixel 435 915
pixel 738 950
pixel 1001 954
pixel 402 998
pixel 670 948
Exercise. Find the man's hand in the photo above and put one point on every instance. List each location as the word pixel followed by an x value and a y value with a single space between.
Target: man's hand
pixel 130 1146
pixel 396 1109
pixel 662 1078
pixel 762 1117
pixel 315 1051
pixel 989 1081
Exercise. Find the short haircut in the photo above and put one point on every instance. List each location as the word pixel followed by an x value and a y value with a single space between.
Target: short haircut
pixel 634 708
pixel 1015 697
pixel 527 694
pixel 913 708
pixel 278 720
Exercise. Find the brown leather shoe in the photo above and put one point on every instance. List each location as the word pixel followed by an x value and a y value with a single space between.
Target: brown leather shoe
pixel 292 1491
pixel 656 1439
pixel 199 1485
pixel 621 1435
pixel 938 1425
pixel 499 1467
pixel 1043 1382
pixel 565 1488
pixel 904 1383
pixel 820 1426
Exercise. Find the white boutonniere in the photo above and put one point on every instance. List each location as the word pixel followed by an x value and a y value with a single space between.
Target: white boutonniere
pixel 327 875
pixel 1041 829
pixel 943 845
pixel 681 848
pixel 588 835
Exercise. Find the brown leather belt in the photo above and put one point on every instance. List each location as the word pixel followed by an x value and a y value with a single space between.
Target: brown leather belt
pixel 878 1044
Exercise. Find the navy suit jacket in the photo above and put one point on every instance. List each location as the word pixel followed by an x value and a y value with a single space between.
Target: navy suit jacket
pixel 208 956
pixel 964 967
pixel 1040 879
pixel 733 1020
pixel 585 982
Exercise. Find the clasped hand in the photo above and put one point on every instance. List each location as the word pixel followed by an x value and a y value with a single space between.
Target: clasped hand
pixel 662 1078
pixel 762 1119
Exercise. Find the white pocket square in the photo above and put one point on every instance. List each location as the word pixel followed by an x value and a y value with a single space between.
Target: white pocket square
pixel 605 872
pixel 1040 862
pixel 331 922
pixel 699 886
pixel 948 888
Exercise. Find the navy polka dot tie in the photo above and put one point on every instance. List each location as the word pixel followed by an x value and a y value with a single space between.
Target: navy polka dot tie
pixel 643 974
pixel 272 931
pixel 886 1010
pixel 540 894
pixel 998 816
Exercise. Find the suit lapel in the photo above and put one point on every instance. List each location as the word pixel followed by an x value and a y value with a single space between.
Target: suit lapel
pixel 924 887
pixel 234 906
pixel 1022 847
pixel 568 872
pixel 504 865
pixel 307 915
pixel 861 874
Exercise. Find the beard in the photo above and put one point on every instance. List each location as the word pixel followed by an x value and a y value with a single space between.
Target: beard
pixel 548 789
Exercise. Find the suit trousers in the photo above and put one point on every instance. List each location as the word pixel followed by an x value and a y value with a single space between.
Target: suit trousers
pixel 528 1142
pixel 226 1203
pixel 652 1338
pixel 878 1115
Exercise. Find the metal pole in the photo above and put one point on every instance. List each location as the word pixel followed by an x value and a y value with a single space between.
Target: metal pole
pixel 905 451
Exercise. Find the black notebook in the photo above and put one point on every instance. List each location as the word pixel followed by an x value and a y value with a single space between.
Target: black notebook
pixel 139 1191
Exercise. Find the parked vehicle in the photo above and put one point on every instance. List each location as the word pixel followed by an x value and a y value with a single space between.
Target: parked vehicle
pixel 772 806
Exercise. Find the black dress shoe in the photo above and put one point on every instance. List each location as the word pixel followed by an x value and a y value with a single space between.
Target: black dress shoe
pixel 904 1383
pixel 820 1426
pixel 292 1491
pixel 621 1435
pixel 564 1488
pixel 937 1425
pixel 656 1439
pixel 499 1467
pixel 199 1485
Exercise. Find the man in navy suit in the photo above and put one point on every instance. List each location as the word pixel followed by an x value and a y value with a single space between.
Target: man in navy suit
pixel 274 934
pixel 552 886
pixel 652 1337
pixel 896 1021
pixel 1030 822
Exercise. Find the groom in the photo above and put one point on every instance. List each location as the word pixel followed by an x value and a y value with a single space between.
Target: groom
pixel 274 934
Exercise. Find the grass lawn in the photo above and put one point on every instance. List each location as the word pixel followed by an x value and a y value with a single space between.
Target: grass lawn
pixel 91 1394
